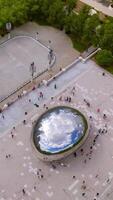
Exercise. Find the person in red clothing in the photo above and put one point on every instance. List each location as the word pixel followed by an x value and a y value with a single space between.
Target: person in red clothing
pixel 98 110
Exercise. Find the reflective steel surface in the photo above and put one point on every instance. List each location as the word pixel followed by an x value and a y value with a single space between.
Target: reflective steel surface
pixel 59 129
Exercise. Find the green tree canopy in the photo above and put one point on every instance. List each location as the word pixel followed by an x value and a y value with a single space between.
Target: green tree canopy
pixel 13 11
pixel 104 58
pixel 70 5
pixel 106 39
pixel 75 22
pixel 56 14
pixel 91 23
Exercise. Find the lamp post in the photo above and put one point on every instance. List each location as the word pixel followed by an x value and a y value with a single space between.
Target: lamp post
pixel 49 46
pixel 8 29
pixel 32 70
pixel 37 35
pixel 50 54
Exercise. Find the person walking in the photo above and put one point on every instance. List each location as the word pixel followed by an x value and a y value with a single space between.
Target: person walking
pixel 23 191
pixel 55 87
pixel 3 116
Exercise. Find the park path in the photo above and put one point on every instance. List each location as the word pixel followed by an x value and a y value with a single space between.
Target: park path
pixel 16 112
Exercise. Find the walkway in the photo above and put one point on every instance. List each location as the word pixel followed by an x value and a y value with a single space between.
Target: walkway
pixel 16 113
pixel 99 7
pixel 16 55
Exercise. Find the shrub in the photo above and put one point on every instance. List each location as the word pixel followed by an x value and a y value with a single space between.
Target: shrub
pixel 104 58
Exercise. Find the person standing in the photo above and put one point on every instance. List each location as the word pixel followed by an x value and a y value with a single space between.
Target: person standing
pixel 55 87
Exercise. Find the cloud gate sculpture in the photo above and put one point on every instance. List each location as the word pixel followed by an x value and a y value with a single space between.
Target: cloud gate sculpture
pixel 58 132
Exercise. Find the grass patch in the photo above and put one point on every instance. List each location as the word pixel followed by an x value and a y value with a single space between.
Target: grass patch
pixel 109 69
pixel 77 44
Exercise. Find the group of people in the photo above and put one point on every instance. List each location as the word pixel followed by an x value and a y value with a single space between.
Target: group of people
pixel 87 103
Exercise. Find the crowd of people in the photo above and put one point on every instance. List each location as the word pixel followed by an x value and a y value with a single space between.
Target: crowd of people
pixel 86 156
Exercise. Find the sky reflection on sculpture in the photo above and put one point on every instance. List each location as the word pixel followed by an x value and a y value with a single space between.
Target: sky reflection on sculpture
pixel 59 129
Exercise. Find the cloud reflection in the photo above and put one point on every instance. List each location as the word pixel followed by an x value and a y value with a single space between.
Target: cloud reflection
pixel 59 130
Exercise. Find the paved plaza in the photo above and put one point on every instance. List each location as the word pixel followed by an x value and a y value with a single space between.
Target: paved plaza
pixel 60 42
pixel 16 56
pixel 87 175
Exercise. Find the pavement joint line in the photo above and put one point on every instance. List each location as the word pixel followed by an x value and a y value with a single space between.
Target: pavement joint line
pixel 75 191
pixel 64 88
pixel 27 81
pixel 104 192
pixel 73 185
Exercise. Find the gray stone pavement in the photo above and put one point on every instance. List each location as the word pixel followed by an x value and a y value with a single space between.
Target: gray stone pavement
pixel 60 42
pixel 26 50
pixel 15 113
pixel 94 166
pixel 86 176
pixel 16 55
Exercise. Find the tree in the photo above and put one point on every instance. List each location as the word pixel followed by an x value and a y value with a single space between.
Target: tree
pixel 45 6
pixel 106 39
pixel 78 22
pixel 91 23
pixel 57 14
pixel 70 5
pixel 104 58
pixel 68 23
pixel 33 9
pixel 13 11
pixel 19 12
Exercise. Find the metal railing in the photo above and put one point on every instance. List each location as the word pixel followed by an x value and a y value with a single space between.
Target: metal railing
pixel 36 76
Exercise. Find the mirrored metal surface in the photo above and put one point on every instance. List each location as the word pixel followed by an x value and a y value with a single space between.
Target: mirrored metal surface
pixel 59 129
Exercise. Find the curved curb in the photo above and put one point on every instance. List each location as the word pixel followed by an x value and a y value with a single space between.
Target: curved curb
pixel 37 75
pixel 37 41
